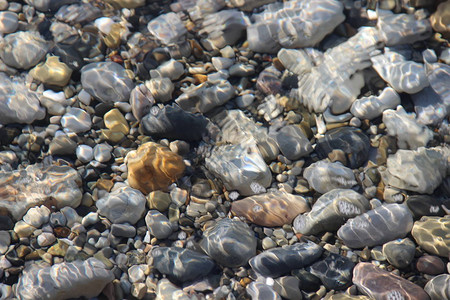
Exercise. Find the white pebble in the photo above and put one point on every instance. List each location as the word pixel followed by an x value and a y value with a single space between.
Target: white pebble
pixel 102 152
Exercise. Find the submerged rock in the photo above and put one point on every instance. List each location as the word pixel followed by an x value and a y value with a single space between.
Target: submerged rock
pixel 399 253
pixel 23 49
pixel 260 290
pixel 292 142
pixel 335 271
pixel 324 176
pixel 438 287
pixel 373 106
pixel 432 234
pixel 167 28
pixel 52 72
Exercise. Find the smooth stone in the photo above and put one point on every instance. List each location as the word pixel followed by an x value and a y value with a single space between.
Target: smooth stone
pixel 116 122
pixel 171 69
pixel 46 239
pixel 430 264
pixel 399 253
pixel 37 216
pixel 5 241
pixel 159 200
pixel 123 230
pixel 240 167
pixel 324 176
pixel 352 141
pixel 77 279
pixel 102 152
pixel 78 13
pixel 172 122
pixel 335 271
pixel 136 273
pixel 48 5
pixel 160 88
pixel 62 145
pixel 153 167
pixel 373 106
pixel 438 287
pixel 221 63
pixel 269 81
pixel 108 82
pixel 288 287
pixel 433 235
pixel 123 205
pixel 223 28
pixel 141 100
pixel 36 184
pixel 229 242
pixel 158 224
pixel 52 72
pixel 127 3
pixel 379 284
pixel 279 261
pixel 6 223
pixel 348 297
pixel 292 142
pixel 430 108
pixel 9 22
pixel 166 290
pixel 190 264
pixel 23 49
pixel 85 153
pixel 378 226
pixel 167 28
pixel 275 208
pixel 424 205
pixel 295 60
pixel 260 290
pixel 331 211
pixel 439 19
pixel 76 120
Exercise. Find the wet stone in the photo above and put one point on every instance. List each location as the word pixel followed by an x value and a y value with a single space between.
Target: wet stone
pixel 85 153
pixel 260 290
pixel 9 22
pixel 167 28
pixel 278 261
pixel 158 224
pixel 123 230
pixel 288 287
pixel 167 291
pixel 52 72
pixel 432 235
pixel 424 205
pixel 229 242
pixel 62 145
pixel 430 264
pixel 292 142
pixel 23 49
pixel 159 200
pixel 161 89
pixel 335 271
pixel 190 264
pixel 439 287
pixel 37 216
pixel 76 120
pixel 102 152
pixel 324 176
pixel 5 240
pixel 399 253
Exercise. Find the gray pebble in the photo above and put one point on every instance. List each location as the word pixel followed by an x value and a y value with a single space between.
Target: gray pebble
pixel 158 224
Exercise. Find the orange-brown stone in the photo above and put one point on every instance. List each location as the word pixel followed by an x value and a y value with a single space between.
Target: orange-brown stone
pixel 153 167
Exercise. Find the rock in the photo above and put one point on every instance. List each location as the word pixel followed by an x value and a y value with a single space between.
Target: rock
pixel 351 141
pixel 37 184
pixel 102 152
pixel 438 287
pixel 229 242
pixel 295 60
pixel 288 287
pixel 430 108
pixel 426 169
pixel 278 261
pixel 324 176
pixel 271 209
pixel 153 167
pixel 52 72
pixel 379 284
pixel 172 122
pixel 431 265
pixel 62 145
pixel 158 225
pixel 77 279
pixel 122 205
pixel 348 297
pixel 9 22
pixel 5 241
pixel 123 230
pixel 37 216
pixel 410 134
pixel 204 97
pixel 439 20
pixel 399 253
pixel 376 227
pixel 108 82
pixel 127 3
pixel 240 167
pixel 159 200
pixel 221 63
pixel 116 122
pixel 76 120
pixel 335 271
pixel 432 234
pixel 373 106
pixel 331 211
pixel 167 291
pixel 78 13
pixel 424 205
pixel 141 100
pixel 269 81
pixel 292 142
pixel 85 153
pixel 260 290
pixel 18 104
pixel 160 88
pixel 397 29
pixel 167 28
pixel 23 49
pixel 171 69
pixel 248 5
pixel 48 5
pixel 46 239
pixel 190 264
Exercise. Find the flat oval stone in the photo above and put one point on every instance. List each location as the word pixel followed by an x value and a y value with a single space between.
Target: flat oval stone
pixel 399 253
pixel 439 287
pixel 230 242
pixel 167 28
pixel 189 264
pixel 433 235
pixel 9 22
pixel 324 176
pixel 376 227
pixel 379 284
pixel 158 224
pixel 279 261
pixel 430 264
pixel 107 82
pixel 23 49
pixel 270 209
pixel 335 271
pixel 424 205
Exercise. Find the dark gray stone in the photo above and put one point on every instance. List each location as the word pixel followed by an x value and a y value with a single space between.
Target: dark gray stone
pixel 335 271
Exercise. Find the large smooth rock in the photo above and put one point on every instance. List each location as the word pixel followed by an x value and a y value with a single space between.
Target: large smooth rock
pixel 324 176
pixel 270 209
pixel 38 184
pixel 331 211
pixel 439 287
pixel 335 271
pixel 63 281
pixel 230 242
pixel 379 284
pixel 181 264
pixel 378 226
pixel 279 261
pixel 23 49
pixel 433 235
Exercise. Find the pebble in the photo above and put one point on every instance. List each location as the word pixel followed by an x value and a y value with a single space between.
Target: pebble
pixel 85 153
pixel 158 224
pixel 167 291
pixel 324 176
pixel 335 271
pixel 171 69
pixel 400 253
pixel 37 216
pixel 292 142
pixel 260 290
pixel 23 49
pixel 52 72
pixel 431 233
pixel 5 241
pixel 160 88
pixel 438 287
pixel 141 101
pixel 430 264
pixel 62 145
pixel 288 287
pixel 76 120
pixel 46 239
pixel 167 28
pixel 102 152
pixel 9 22
pixel 123 230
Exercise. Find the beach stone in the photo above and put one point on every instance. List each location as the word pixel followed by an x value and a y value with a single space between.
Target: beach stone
pixel 18 104
pixel 159 200
pixel 122 205
pixel 62 145
pixel 430 264
pixel 430 108
pixel 424 205
pixel 295 60
pixel 433 235
pixel 229 242
pixel 376 227
pixel 269 81
pixel 153 167
pixel 331 211
pixel 426 169
pixel 399 253
pixel 9 22
pixel 324 176
pixel 348 297
pixel 85 153
pixel 335 271
pixel 6 223
pixel 52 72
pixel 167 28
pixel 46 239
pixel 275 208
pixel 172 122
pixel 127 3
pixel 260 290
pixel 160 88
pixel 438 287
pixel 116 122
pixel 141 100
pixel 373 106
pixel 190 264
pixel 440 21
pixel 397 29
pixel 158 224
pixel 279 261
pixel 78 13
pixel 36 184
pixel 102 152
pixel 292 142
pixel 380 284
pixel 23 49
pixel 288 287
pixel 76 120
pixel 48 5
pixel 221 63
pixel 5 241
pixel 166 290
pixel 37 216
pixel 123 230
pixel 108 82
pixel 65 280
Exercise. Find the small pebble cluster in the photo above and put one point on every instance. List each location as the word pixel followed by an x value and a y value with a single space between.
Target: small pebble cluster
pixel 212 149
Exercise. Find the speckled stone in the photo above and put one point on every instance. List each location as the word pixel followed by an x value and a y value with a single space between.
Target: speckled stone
pixel 433 235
